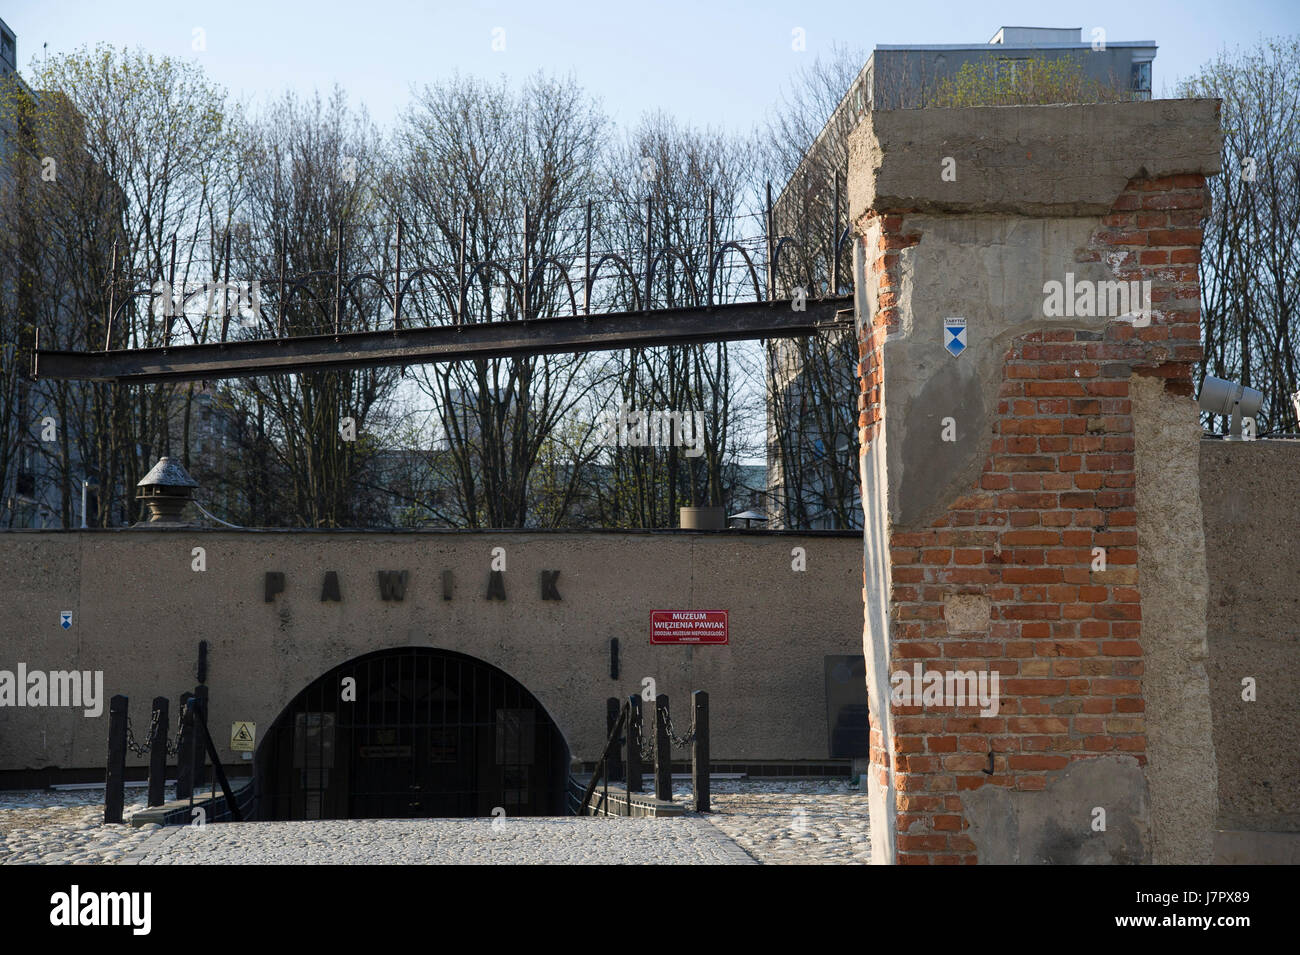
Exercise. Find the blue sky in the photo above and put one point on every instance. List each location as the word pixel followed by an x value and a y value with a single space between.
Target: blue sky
pixel 717 63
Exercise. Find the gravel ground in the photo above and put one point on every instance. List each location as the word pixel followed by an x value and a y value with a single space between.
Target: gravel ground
pixel 776 822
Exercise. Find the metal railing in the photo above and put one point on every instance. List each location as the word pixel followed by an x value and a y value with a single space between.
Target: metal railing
pixel 192 729
pixel 626 734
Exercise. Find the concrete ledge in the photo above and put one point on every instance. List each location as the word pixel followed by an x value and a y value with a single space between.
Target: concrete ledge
pixel 1026 160
pixel 179 812
pixel 619 803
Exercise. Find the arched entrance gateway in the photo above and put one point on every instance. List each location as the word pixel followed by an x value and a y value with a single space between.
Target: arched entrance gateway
pixel 413 731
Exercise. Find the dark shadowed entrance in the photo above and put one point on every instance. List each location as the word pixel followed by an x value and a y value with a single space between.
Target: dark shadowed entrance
pixel 412 732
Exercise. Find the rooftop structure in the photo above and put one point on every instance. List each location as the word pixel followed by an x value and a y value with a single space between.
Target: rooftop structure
pixel 903 76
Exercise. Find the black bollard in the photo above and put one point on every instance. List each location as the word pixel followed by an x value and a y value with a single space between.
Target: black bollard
pixel 115 774
pixel 615 757
pixel 700 751
pixel 200 753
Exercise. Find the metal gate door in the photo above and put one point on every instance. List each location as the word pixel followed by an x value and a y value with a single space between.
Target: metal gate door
pixel 412 732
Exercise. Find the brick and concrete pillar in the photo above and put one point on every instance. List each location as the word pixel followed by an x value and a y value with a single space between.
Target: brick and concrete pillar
pixel 1032 499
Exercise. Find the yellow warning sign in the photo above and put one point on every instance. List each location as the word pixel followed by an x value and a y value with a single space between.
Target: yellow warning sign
pixel 243 736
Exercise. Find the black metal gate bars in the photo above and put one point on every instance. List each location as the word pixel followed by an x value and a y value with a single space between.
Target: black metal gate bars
pixel 412 732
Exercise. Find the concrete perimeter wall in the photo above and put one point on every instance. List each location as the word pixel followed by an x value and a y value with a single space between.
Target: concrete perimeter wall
pixel 1250 495
pixel 140 610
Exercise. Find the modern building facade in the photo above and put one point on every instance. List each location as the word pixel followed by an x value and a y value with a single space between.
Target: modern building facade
pixel 8 50
pixel 24 497
pixel 43 480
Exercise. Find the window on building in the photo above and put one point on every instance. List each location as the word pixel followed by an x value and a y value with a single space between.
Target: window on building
pixel 7 48
pixel 1141 82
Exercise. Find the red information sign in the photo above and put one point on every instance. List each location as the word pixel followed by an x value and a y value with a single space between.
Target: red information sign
pixel 688 626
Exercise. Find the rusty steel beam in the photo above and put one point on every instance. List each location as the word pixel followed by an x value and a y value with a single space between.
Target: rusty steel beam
pixel 442 343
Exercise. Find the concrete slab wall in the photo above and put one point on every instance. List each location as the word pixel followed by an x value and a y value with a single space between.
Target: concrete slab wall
pixel 139 611
pixel 1250 496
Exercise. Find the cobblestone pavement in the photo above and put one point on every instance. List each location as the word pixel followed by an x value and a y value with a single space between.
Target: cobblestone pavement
pixel 792 822
pixel 64 827
pixel 781 822
pixel 538 841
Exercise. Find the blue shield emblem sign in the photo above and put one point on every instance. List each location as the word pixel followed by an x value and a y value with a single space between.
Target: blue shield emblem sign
pixel 65 619
pixel 954 335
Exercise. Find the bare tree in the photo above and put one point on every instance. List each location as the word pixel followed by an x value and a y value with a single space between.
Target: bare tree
pixel 307 443
pixel 489 157
pixel 1250 256
pixel 664 180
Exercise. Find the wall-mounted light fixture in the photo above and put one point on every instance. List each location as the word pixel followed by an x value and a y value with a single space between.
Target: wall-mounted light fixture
pixel 1219 396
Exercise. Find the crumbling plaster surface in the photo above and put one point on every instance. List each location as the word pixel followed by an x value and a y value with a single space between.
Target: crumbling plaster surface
pixel 989 270
pixel 1094 811
pixel 1181 770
